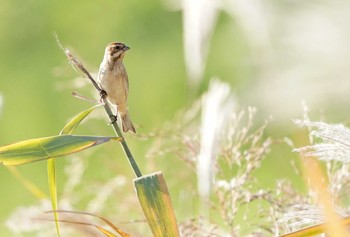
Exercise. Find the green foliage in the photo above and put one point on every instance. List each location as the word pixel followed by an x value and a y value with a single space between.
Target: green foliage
pixel 156 203
pixel 35 80
pixel 47 147
pixel 51 165
pixel 160 217
pixel 75 121
pixel 51 175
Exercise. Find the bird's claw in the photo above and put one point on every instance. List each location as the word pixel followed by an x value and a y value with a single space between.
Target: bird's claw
pixel 103 95
pixel 113 118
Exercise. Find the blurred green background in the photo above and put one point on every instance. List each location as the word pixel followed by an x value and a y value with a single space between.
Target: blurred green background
pixel 273 68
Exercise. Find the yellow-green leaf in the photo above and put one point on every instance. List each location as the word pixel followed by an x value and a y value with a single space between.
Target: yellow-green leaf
pixel 51 170
pixel 30 186
pixel 156 205
pixel 51 173
pixel 75 121
pixel 47 147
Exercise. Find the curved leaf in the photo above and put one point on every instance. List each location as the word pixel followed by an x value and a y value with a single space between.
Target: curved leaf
pixel 47 147
pixel 106 221
pixel 51 170
pixel 74 122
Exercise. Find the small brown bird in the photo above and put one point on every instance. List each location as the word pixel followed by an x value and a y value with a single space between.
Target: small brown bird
pixel 113 79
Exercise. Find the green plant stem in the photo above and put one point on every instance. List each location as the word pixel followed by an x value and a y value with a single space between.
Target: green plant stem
pixel 122 141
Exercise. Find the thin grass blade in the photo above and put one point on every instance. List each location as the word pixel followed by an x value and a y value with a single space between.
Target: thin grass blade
pixel 101 229
pixel 51 173
pixel 51 170
pixel 106 221
pixel 105 232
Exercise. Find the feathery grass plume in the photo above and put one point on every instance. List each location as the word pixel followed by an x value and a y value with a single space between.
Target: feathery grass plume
pixel 332 147
pixel 105 192
pixel 240 149
pixel 217 105
pixel 335 143
pixel 74 171
pixel 243 149
pixel 252 18
pixel 339 183
pixel 318 184
pixel 289 207
pixel 199 227
pixel 76 83
pixel 25 220
pixel 32 221
pixel 180 136
pixel 299 216
pixel 199 20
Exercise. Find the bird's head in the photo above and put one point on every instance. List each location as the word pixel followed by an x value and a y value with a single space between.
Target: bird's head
pixel 116 51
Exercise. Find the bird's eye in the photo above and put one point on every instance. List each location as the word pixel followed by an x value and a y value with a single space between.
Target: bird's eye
pixel 117 47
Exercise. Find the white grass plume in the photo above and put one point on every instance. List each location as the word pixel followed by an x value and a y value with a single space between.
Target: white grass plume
pixel 217 105
pixel 335 143
pixel 199 20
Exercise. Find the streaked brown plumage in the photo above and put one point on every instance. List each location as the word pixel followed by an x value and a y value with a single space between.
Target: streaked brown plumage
pixel 113 79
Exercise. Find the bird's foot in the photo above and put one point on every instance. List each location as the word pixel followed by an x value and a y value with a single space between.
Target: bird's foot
pixel 113 118
pixel 103 94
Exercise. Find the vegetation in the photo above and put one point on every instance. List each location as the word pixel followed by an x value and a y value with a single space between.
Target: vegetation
pixel 217 119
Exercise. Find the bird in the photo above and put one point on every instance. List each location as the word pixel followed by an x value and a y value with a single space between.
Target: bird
pixel 113 79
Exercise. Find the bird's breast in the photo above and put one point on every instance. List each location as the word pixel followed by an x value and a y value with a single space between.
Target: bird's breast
pixel 115 82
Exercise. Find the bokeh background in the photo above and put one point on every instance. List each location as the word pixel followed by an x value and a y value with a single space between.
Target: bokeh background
pixel 274 54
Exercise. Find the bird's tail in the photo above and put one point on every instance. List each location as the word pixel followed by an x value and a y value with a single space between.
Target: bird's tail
pixel 126 123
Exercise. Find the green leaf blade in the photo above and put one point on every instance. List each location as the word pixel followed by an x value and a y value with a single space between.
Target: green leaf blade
pixel 156 204
pixel 51 173
pixel 47 147
pixel 75 121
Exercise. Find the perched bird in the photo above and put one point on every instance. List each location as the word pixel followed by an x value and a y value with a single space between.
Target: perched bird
pixel 113 79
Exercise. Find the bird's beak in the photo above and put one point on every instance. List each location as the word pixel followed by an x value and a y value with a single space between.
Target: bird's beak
pixel 126 48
